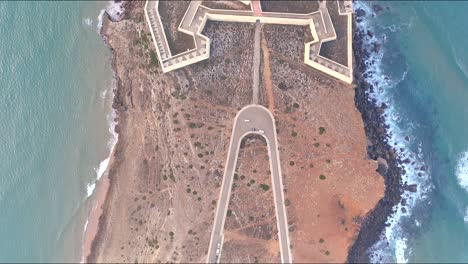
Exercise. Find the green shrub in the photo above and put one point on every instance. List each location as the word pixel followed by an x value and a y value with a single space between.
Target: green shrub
pixel 316 144
pixel 291 163
pixel 282 86
pixel 195 125
pixel 265 187
pixel 294 134
pixel 153 58
pixel 322 177
pixel 321 130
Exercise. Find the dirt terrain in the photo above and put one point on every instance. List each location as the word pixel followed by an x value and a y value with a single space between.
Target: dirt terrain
pixel 330 184
pixel 174 131
pixel 230 5
pixel 178 42
pixel 301 7
pixel 336 50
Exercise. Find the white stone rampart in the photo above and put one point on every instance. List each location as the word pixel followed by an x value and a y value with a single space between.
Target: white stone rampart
pixel 196 16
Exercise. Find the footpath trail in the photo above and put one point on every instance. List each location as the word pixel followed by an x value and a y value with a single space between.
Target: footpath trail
pixel 267 75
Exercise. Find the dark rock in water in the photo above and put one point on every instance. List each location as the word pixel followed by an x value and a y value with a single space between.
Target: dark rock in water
pixel 380 111
pixel 384 106
pixel 403 202
pixel 383 166
pixel 407 138
pixel 360 12
pixel 377 47
pixel 376 132
pixel 370 34
pixel 423 168
pixel 377 8
pixel 411 187
pixel 406 161
pixel 403 209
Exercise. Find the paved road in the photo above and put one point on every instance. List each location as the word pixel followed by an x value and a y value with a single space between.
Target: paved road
pixel 257 8
pixel 259 118
pixel 256 63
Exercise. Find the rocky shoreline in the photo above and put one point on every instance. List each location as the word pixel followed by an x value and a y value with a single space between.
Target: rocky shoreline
pixel 377 148
pixel 115 12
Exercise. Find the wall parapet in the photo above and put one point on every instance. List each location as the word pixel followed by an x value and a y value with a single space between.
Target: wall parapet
pixel 196 16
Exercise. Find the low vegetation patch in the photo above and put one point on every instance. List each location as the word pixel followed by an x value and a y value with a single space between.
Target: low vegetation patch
pixel 321 130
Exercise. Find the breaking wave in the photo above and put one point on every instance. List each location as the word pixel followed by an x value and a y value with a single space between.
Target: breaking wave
pixel 462 171
pixel 393 243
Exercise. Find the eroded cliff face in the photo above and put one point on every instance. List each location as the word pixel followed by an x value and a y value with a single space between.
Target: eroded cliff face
pixel 174 131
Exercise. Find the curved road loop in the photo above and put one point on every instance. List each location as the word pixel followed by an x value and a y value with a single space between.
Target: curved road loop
pixel 252 119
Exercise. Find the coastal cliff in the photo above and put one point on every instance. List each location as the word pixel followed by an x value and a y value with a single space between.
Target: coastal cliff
pixel 166 169
pixel 377 147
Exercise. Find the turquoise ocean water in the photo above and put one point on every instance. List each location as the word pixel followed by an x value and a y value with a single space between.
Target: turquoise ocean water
pixel 422 73
pixel 55 96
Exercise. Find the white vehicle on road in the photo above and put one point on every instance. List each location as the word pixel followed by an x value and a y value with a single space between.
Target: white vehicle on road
pixel 218 248
pixel 261 131
pixel 246 120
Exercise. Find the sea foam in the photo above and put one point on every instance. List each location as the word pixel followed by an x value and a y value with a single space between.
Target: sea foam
pixel 393 242
pixel 87 21
pixel 111 120
pixel 462 171
pixel 100 19
pixel 100 170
